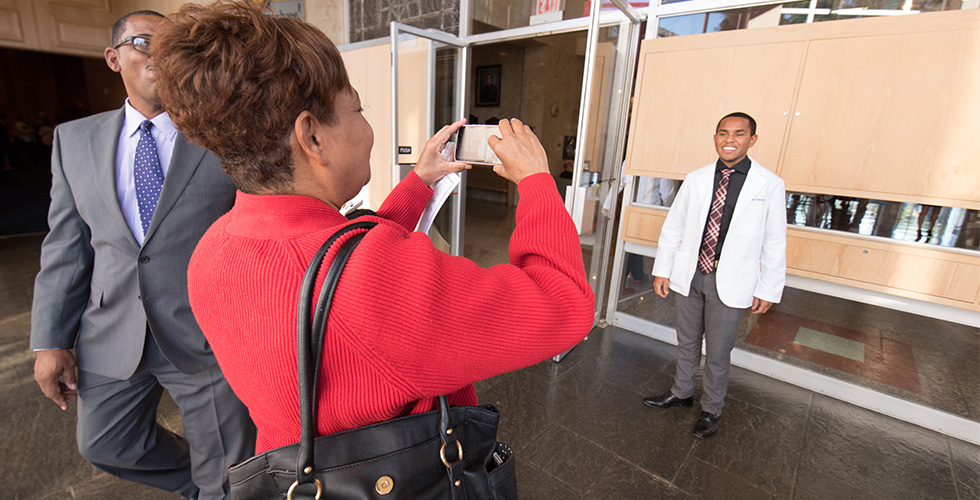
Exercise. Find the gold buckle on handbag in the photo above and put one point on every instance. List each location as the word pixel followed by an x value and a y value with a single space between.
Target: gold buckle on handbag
pixel 442 453
pixel 319 489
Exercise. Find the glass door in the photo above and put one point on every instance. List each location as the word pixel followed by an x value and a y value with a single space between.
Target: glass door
pixel 592 198
pixel 427 78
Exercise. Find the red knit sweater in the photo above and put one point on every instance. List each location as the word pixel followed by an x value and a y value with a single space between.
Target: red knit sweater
pixel 408 322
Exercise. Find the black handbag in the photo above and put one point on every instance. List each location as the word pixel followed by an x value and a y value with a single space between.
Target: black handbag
pixel 450 453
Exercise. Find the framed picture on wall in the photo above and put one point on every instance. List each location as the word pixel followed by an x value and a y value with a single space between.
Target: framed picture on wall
pixel 487 86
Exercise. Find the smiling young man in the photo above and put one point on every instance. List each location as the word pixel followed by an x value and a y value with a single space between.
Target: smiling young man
pixel 723 250
pixel 111 324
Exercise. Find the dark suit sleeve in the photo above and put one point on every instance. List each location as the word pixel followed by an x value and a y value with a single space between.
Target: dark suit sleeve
pixel 62 287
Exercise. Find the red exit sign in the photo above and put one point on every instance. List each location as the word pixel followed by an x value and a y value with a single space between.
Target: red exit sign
pixel 548 6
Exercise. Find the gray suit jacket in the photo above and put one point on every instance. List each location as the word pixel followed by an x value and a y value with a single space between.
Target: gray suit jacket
pixel 98 289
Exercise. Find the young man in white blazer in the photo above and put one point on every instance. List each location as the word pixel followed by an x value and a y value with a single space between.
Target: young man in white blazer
pixel 723 250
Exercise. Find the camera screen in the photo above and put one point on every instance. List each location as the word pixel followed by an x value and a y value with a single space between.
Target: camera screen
pixel 472 145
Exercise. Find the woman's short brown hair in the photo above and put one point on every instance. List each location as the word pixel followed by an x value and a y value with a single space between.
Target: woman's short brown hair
pixel 234 79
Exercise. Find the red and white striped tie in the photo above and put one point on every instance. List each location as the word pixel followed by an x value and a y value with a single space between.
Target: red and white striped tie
pixel 706 257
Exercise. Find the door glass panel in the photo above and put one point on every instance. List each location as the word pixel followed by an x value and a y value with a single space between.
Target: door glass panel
pixel 540 82
pixel 497 15
pixel 446 109
pixel 428 73
pixel 598 195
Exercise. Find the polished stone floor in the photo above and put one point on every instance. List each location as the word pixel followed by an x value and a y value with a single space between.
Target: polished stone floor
pixel 929 361
pixel 579 428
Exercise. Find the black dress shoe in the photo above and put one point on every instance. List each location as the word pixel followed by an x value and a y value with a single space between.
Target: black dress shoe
pixel 707 425
pixel 666 400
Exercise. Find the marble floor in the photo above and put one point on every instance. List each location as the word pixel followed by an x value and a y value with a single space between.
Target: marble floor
pixel 579 427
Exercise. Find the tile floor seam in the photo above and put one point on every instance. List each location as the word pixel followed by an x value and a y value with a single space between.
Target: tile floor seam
pixel 684 462
pixel 952 469
pixel 593 485
pixel 756 486
pixel 759 407
pixel 871 494
pixel 662 480
pixel 799 459
pixel 617 455
pixel 556 478
pixel 962 393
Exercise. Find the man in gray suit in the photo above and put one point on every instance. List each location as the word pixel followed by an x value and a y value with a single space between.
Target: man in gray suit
pixel 130 198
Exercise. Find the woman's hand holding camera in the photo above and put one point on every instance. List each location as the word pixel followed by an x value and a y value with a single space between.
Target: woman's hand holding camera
pixel 432 166
pixel 521 153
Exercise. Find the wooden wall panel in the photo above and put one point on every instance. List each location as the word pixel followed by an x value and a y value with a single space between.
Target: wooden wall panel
pixel 18 28
pixel 413 97
pixel 950 277
pixel 11 27
pixel 642 225
pixel 814 255
pixel 77 27
pixel 891 116
pixel 682 92
pixel 877 108
pixel 369 71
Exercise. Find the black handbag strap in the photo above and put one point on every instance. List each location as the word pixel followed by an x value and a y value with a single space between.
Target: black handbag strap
pixel 309 338
pixel 309 350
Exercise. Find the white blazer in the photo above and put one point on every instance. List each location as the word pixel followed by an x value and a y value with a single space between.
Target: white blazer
pixel 753 259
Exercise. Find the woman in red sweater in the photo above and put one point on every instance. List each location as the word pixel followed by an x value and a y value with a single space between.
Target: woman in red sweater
pixel 408 322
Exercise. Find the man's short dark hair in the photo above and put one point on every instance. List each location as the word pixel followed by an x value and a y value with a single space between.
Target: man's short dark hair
pixel 738 114
pixel 120 26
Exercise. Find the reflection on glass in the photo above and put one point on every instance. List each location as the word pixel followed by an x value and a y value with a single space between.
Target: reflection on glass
pixel 708 22
pixel 793 13
pixel 637 298
pixel 655 191
pixel 934 225
pixel 792 19
pixel 636 273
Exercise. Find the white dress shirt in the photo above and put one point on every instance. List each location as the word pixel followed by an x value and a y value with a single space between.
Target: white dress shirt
pixel 164 134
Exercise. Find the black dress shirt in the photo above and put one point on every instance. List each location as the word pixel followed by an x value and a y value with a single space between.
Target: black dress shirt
pixel 735 182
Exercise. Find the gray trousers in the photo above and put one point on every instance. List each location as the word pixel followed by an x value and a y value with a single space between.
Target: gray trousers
pixel 702 313
pixel 118 430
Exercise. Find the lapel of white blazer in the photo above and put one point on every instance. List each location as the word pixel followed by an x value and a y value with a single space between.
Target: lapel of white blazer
pixel 103 144
pixel 754 182
pixel 183 164
pixel 705 186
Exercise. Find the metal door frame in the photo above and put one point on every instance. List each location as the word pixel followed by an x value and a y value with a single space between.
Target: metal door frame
pixel 458 202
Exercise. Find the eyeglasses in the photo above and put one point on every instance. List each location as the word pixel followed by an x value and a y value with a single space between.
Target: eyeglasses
pixel 140 42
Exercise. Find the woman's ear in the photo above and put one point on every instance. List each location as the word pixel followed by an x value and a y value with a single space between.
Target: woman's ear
pixel 305 128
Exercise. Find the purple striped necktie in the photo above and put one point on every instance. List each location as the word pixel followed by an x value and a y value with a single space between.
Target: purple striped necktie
pixel 706 257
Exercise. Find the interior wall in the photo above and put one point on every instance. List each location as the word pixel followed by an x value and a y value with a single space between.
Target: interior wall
pixel 511 60
pixel 500 14
pixel 370 19
pixel 328 15
pixel 552 92
pixel 540 83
